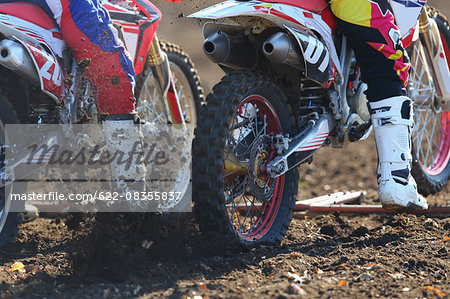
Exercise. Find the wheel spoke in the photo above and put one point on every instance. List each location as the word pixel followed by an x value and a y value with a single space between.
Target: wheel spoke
pixel 428 125
pixel 430 142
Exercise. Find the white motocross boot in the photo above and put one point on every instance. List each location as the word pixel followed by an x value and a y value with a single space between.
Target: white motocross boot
pixel 392 123
pixel 124 139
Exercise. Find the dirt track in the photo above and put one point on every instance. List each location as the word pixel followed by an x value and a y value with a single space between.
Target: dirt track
pixel 323 256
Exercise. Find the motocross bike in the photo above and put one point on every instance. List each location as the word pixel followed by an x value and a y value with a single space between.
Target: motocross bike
pixel 41 83
pixel 293 86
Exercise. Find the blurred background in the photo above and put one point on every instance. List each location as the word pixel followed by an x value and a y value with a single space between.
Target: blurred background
pixel 187 33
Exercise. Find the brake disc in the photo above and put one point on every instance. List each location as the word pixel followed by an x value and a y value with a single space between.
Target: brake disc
pixel 260 184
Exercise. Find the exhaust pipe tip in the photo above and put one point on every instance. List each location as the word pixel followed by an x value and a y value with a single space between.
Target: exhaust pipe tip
pixel 217 46
pixel 277 47
pixel 7 59
pixel 268 48
pixel 281 49
pixel 232 51
pixel 4 53
pixel 209 47
pixel 14 57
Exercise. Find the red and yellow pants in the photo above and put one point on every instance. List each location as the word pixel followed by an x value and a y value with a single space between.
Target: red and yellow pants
pixel 371 31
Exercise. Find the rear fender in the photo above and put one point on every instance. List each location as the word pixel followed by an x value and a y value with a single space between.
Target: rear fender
pixel 237 26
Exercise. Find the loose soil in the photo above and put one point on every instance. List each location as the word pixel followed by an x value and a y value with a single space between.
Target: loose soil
pixel 329 255
pixel 147 255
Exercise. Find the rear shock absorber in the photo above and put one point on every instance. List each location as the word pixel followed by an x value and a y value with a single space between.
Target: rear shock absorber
pixel 312 100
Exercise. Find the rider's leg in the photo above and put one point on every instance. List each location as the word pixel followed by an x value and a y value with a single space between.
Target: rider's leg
pixel 87 29
pixel 392 121
pixel 370 29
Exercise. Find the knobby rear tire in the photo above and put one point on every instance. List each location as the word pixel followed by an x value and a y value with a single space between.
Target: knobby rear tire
pixel 208 158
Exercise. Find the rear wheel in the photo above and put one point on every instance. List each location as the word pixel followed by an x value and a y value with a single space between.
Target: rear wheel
pixel 233 198
pixel 431 135
pixel 8 220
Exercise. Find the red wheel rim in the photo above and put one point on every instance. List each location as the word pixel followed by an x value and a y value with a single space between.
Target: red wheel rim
pixel 269 209
pixel 442 157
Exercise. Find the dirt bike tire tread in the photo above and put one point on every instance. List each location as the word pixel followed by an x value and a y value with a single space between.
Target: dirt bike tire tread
pixel 427 184
pixel 209 210
pixel 183 61
pixel 173 51
pixel 10 229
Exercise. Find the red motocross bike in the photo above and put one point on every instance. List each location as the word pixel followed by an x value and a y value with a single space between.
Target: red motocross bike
pixel 40 82
pixel 293 85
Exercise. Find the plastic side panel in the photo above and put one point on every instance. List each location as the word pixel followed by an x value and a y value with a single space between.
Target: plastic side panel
pixel 13 27
pixel 329 18
pixel 316 56
pixel 128 21
pixel 49 71
pixel 221 10
pixel 406 16
pixel 129 35
pixel 147 30
pixel 138 28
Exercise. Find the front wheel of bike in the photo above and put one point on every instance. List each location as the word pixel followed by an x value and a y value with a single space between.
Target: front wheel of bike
pixel 150 104
pixel 233 198
pixel 431 134
pixel 151 107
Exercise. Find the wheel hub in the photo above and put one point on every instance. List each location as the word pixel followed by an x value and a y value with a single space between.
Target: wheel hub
pixel 261 185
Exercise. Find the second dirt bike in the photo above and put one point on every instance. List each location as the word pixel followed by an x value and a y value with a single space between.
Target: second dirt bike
pixel 293 85
pixel 41 83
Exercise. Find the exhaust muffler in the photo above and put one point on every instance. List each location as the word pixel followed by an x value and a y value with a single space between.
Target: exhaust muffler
pixel 16 58
pixel 281 49
pixel 301 51
pixel 236 52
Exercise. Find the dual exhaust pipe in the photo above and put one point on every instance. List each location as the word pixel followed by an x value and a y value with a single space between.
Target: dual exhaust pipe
pixel 237 52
